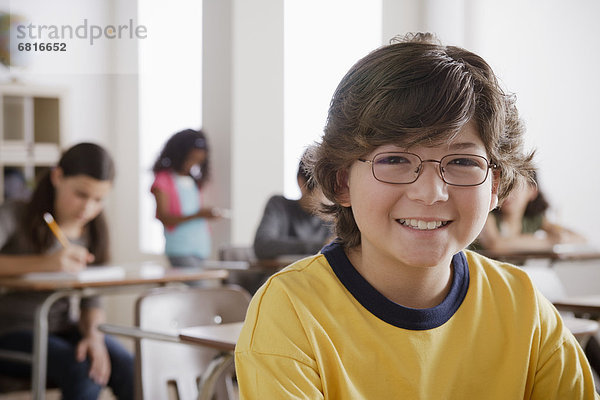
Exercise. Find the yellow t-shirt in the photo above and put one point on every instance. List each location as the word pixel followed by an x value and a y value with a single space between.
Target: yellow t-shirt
pixel 318 330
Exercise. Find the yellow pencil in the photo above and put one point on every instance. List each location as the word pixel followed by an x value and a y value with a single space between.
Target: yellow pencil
pixel 56 229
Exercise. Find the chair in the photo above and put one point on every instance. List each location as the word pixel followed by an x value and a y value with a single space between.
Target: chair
pixel 168 369
pixel 549 284
pixel 250 279
pixel 547 281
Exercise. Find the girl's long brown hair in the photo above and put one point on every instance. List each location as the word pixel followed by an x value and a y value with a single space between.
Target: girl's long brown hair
pixel 86 159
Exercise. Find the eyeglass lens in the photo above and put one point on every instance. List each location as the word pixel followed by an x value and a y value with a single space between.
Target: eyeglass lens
pixel 456 169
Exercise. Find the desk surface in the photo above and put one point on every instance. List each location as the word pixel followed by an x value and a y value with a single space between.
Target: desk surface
pixel 221 337
pixel 132 277
pixel 559 253
pixel 225 336
pixel 580 304
pixel 580 327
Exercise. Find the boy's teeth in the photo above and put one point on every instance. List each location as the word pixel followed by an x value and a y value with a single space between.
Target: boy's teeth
pixel 418 224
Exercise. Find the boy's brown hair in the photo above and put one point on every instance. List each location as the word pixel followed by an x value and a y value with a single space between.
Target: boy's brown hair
pixel 415 91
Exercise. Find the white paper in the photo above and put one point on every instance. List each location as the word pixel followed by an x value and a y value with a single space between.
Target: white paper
pixel 90 274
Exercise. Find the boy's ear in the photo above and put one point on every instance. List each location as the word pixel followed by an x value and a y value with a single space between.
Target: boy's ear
pixel 495 188
pixel 342 188
pixel 533 192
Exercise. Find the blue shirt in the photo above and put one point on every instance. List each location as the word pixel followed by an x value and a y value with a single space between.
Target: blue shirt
pixel 190 238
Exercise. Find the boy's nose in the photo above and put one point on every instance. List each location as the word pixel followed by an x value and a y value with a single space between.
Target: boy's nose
pixel 429 188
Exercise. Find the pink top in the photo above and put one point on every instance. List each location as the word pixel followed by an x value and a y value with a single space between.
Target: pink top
pixel 163 181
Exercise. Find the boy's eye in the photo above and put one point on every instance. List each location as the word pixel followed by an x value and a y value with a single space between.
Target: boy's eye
pixel 392 159
pixel 465 162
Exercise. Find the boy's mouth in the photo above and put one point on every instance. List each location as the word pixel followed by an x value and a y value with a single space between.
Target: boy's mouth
pixel 422 225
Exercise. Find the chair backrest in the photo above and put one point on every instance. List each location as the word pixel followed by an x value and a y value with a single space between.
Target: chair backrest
pixel 172 370
pixel 237 253
pixel 250 279
pixel 547 281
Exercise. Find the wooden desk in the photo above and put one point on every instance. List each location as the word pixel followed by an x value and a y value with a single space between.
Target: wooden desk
pixel 580 304
pixel 221 337
pixel 57 289
pixel 581 328
pixel 558 253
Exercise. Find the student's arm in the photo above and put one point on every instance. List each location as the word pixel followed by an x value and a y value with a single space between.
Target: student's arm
pixel 169 219
pixel 71 259
pixel 272 238
pixel 490 239
pixel 560 234
pixel 92 344
pixel 266 376
pixel 273 356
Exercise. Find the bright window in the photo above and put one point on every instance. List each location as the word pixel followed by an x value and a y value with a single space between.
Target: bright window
pixel 323 39
pixel 170 93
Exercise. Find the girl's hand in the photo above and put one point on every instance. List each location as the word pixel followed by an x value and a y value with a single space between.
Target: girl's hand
pixel 93 346
pixel 212 213
pixel 69 259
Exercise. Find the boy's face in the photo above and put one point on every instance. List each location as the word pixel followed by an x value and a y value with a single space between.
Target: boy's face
pixel 382 211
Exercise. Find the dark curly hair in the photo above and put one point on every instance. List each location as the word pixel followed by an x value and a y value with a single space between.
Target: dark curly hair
pixel 415 91
pixel 176 150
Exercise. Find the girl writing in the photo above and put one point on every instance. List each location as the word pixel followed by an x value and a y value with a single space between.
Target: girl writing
pixel 81 359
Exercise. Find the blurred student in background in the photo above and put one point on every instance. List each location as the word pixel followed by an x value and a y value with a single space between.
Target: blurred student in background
pixel 291 227
pixel 520 223
pixel 81 359
pixel 15 184
pixel 181 171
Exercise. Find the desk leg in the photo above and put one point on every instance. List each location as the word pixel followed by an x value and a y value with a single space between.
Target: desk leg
pixel 40 344
pixel 206 387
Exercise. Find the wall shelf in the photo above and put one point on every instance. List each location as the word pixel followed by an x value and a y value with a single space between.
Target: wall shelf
pixel 30 129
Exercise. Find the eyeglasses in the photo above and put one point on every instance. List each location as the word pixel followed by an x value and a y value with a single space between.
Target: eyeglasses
pixel 455 169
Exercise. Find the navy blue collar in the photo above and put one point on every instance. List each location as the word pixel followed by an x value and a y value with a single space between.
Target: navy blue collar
pixel 387 310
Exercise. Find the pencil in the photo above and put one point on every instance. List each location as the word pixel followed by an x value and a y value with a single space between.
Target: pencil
pixel 56 229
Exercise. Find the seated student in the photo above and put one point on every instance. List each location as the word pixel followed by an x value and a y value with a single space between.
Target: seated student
pixel 15 184
pixel 420 144
pixel 520 223
pixel 291 226
pixel 81 359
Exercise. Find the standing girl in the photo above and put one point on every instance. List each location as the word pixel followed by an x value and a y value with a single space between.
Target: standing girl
pixel 81 360
pixel 181 171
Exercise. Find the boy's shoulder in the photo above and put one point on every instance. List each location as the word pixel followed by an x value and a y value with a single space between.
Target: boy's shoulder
pixel 497 273
pixel 304 269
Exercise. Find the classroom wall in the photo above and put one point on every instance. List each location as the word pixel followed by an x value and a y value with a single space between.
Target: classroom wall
pixel 543 50
pixel 88 100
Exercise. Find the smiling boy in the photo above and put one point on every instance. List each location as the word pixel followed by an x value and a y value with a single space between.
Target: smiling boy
pixel 420 144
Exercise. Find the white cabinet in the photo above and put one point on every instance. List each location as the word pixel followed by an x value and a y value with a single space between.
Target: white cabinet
pixel 30 130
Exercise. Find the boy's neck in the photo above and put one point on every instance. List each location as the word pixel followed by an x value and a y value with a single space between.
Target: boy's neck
pixel 414 287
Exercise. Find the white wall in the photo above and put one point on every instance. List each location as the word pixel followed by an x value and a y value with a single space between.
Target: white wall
pixel 545 51
pixel 82 70
pixel 243 108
